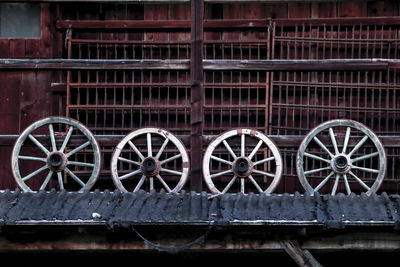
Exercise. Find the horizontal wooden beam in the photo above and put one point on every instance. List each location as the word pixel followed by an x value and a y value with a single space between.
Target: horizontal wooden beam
pixel 214 65
pixel 103 240
pixel 280 140
pixel 160 24
pixel 124 24
pixel 301 65
pixel 92 64
pixel 223 23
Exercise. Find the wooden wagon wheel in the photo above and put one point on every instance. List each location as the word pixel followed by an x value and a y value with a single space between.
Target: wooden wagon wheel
pixel 153 155
pixel 58 148
pixel 256 160
pixel 344 165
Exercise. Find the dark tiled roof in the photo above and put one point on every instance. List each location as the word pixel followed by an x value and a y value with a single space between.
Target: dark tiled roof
pixel 124 209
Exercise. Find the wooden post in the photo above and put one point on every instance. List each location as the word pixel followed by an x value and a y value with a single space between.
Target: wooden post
pixel 197 98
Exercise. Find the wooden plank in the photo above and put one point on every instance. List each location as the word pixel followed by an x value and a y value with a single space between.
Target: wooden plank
pixel 151 24
pixel 300 256
pixel 228 23
pixel 267 65
pixel 124 24
pixel 282 141
pixel 299 65
pixel 82 64
pixel 299 10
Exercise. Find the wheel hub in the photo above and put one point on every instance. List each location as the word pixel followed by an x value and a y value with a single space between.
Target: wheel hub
pixel 56 161
pixel 242 167
pixel 341 164
pixel 150 166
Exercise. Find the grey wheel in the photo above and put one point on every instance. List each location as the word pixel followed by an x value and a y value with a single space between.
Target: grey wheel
pixel 341 155
pixel 56 152
pixel 244 156
pixel 150 158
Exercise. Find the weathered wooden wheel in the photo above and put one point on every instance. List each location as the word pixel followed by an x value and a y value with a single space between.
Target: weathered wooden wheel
pixel 242 155
pixel 56 147
pixel 341 154
pixel 153 155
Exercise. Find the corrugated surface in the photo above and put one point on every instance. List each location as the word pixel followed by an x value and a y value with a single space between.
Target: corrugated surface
pixel 125 209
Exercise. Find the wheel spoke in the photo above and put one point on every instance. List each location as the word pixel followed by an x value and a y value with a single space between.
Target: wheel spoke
pixel 221 173
pixel 163 183
pixel 317 170
pixel 164 145
pixel 129 161
pixel 221 160
pixel 149 149
pixel 151 182
pixel 29 176
pixel 242 144
pixel 69 154
pixel 242 185
pixel 346 139
pixel 229 185
pixel 316 157
pixel 333 139
pixel 346 183
pixel 365 157
pixel 129 174
pixel 263 160
pixel 365 169
pixel 38 144
pixel 136 150
pixel 255 149
pixel 359 144
pixel 323 182
pixel 323 146
pixel 32 158
pixel 60 180
pixel 82 164
pixel 264 173
pixel 140 183
pixel 170 159
pixel 255 183
pixel 228 147
pixel 359 181
pixel 171 171
pixel 70 173
pixel 46 181
pixel 66 140
pixel 335 185
pixel 52 138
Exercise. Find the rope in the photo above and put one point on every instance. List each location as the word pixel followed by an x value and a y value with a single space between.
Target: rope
pixel 173 249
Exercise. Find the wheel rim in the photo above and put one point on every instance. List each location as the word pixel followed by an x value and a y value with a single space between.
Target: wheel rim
pixel 147 157
pixel 58 157
pixel 341 162
pixel 257 167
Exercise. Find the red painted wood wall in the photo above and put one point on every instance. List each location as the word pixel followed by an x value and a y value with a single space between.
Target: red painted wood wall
pixel 28 95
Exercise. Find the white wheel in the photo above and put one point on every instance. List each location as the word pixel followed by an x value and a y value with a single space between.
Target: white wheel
pixel 341 155
pixel 59 148
pixel 242 160
pixel 150 159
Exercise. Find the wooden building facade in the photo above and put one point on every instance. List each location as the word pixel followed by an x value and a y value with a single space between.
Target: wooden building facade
pixel 199 68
